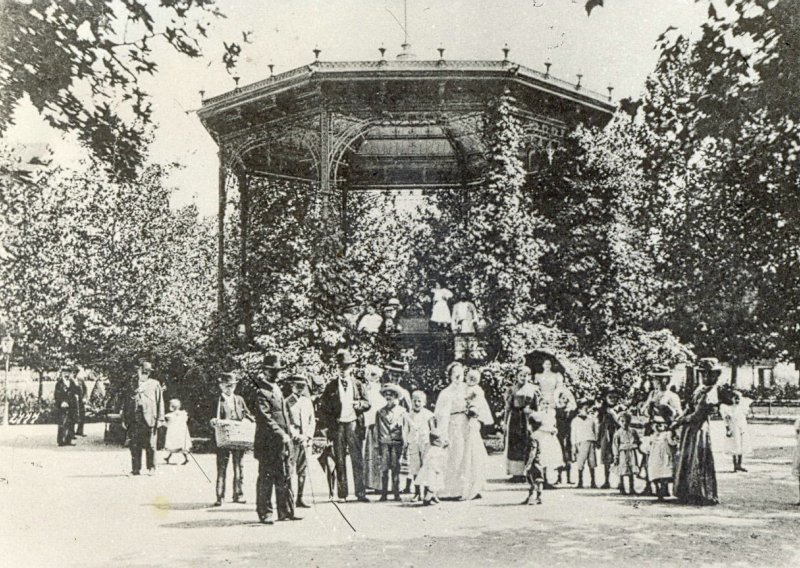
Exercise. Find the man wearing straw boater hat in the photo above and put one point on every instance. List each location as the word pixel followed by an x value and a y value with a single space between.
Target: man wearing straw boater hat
pixel 273 445
pixel 396 371
pixel 143 414
pixel 341 416
pixel 230 406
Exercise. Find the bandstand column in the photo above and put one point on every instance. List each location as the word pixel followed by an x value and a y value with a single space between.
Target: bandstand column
pixel 324 165
pixel 245 314
pixel 223 198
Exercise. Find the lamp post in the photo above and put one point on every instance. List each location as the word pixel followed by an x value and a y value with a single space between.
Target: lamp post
pixel 6 345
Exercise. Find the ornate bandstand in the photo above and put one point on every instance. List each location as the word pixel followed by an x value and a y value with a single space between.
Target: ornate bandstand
pixel 340 127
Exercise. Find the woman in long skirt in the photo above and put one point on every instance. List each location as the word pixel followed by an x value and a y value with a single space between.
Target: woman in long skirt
pixel 695 478
pixel 372 454
pixel 451 411
pixel 475 456
pixel 522 395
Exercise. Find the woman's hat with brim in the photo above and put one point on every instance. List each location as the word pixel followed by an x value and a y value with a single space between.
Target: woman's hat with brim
pixel 393 303
pixel 229 378
pixel 273 361
pixel 394 389
pixel 659 419
pixel 659 371
pixel 396 366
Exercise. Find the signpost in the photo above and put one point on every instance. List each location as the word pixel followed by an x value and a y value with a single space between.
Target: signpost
pixel 6 345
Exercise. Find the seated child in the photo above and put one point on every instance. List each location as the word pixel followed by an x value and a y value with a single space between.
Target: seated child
pixel 177 440
pixel 583 438
pixel 624 446
pixel 393 431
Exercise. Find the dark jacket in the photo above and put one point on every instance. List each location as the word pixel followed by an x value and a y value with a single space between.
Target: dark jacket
pixel 240 410
pixel 273 434
pixel 330 405
pixel 68 393
pixel 149 396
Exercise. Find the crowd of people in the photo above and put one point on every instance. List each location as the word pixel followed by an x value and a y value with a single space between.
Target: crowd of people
pixel 386 431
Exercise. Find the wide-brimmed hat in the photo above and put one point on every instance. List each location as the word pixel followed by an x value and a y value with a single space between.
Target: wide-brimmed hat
pixel 397 366
pixel 69 367
pixel 146 366
pixel 372 372
pixel 709 365
pixel 392 388
pixel 344 357
pixel 659 419
pixel 273 361
pixel 393 303
pixel 659 371
pixel 229 378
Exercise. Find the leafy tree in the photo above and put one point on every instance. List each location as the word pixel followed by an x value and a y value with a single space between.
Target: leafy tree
pixel 106 272
pixel 80 64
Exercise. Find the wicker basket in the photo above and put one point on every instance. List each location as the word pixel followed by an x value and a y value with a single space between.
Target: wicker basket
pixel 234 434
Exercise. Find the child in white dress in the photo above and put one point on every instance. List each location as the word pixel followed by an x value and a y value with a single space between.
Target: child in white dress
pixel 737 436
pixel 419 439
pixel 177 440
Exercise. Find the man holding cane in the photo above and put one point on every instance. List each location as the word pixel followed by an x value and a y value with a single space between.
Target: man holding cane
pixel 273 445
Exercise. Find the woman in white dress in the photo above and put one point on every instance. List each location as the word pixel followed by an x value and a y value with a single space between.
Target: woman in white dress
pixel 475 456
pixel 372 454
pixel 549 382
pixel 451 414
pixel 440 313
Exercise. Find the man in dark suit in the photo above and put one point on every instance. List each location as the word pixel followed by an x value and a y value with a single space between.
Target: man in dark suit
pixel 230 406
pixel 66 399
pixel 142 415
pixel 272 446
pixel 80 386
pixel 341 417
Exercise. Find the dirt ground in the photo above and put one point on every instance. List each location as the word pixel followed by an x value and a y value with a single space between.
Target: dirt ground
pixel 77 507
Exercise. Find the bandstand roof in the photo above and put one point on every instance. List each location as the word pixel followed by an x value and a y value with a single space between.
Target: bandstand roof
pixel 388 124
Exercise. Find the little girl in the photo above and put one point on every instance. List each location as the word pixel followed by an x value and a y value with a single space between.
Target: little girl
pixel 796 464
pixel 177 440
pixel 661 460
pixel 431 475
pixel 737 436
pixel 544 431
pixel 624 446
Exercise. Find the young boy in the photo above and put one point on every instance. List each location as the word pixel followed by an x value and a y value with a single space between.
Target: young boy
pixel 393 433
pixel 230 406
pixel 625 444
pixel 583 438
pixel 533 472
pixel 418 440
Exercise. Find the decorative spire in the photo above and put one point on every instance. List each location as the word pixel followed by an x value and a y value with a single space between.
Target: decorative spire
pixel 506 51
pixel 271 69
pixel 317 51
pixel 578 84
pixel 440 49
pixel 236 80
pixel 382 49
pixel 610 92
pixel 547 65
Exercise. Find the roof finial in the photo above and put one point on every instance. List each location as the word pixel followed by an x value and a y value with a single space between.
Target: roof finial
pixel 382 49
pixel 547 65
pixel 317 51
pixel 578 84
pixel 236 80
pixel 440 49
pixel 506 51
pixel 271 69
pixel 610 92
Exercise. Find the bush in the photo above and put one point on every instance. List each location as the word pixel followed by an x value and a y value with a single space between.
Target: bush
pixel 26 408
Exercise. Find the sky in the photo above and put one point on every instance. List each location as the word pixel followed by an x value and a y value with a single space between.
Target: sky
pixel 614 46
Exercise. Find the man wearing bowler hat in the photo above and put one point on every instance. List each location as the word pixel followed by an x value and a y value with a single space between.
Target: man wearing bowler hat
pixel 142 415
pixel 66 399
pixel 273 445
pixel 341 415
pixel 230 406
